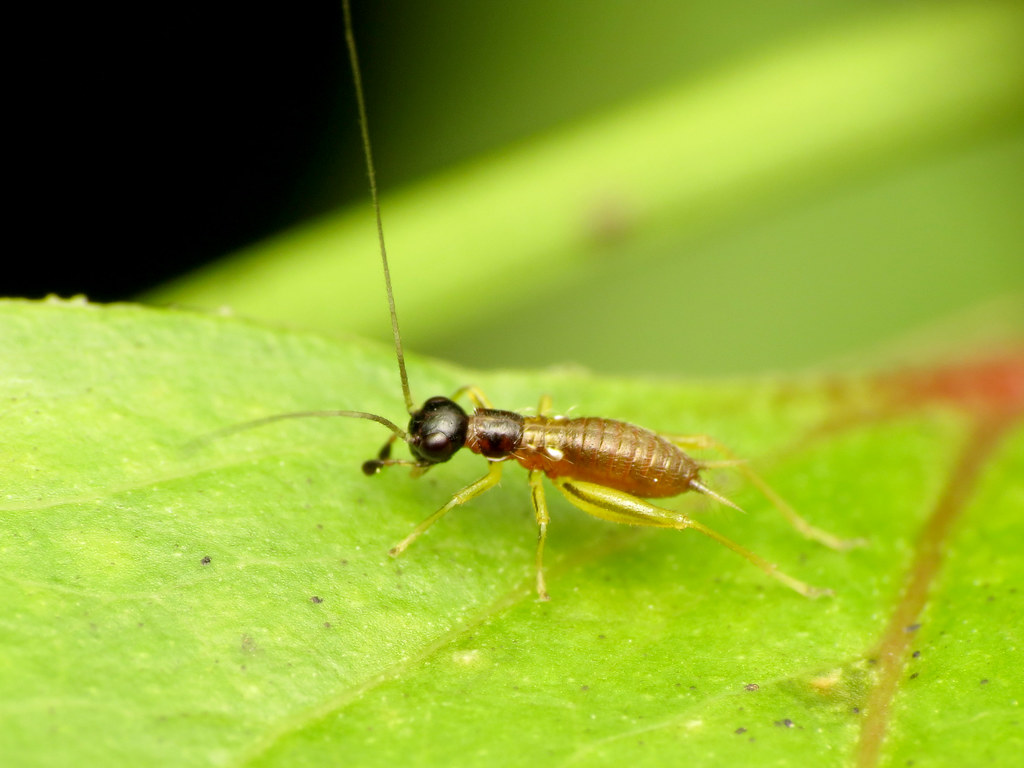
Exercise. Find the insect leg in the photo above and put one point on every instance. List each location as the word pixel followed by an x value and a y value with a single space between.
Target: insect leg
pixel 471 491
pixel 698 442
pixel 540 508
pixel 619 507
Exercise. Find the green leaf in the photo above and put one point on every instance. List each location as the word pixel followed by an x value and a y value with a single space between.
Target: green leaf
pixel 235 604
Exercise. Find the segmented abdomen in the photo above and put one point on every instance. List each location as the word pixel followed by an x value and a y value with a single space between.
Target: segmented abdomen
pixel 610 453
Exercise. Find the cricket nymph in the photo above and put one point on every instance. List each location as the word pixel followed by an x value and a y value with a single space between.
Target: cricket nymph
pixel 606 468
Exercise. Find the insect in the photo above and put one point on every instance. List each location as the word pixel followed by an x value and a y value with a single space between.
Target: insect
pixel 607 468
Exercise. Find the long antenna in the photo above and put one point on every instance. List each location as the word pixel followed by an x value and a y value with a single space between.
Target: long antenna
pixel 350 39
pixel 246 425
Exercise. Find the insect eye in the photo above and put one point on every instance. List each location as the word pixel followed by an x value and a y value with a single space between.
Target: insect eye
pixel 436 445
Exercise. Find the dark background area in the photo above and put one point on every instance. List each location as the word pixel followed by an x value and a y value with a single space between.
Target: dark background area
pixel 151 141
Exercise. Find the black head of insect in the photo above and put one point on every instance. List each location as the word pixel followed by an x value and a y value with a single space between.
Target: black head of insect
pixel 436 431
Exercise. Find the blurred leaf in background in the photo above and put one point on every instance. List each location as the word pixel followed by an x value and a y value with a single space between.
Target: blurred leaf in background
pixel 696 188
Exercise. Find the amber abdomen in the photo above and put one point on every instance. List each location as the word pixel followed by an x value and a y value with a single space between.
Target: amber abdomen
pixel 610 453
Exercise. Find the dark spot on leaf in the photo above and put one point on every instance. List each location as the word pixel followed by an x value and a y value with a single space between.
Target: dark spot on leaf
pixel 785 723
pixel 916 654
pixel 738 731
pixel 248 645
pixel 584 687
pixel 316 600
pixel 913 627
pixel 327 625
pixel 751 687
pixel 206 560
pixel 914 676
pixel 984 682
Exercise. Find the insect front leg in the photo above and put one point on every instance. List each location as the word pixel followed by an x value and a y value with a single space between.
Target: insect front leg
pixel 373 466
pixel 471 491
pixel 540 508
pixel 475 395
pixel 619 507
pixel 703 442
pixel 544 408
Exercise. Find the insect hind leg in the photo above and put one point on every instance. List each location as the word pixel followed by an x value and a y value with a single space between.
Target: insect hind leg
pixel 619 507
pixel 702 442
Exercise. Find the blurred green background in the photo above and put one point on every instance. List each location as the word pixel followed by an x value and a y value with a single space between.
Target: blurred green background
pixel 664 187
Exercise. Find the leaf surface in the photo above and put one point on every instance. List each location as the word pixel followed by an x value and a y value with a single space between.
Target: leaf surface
pixel 235 605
